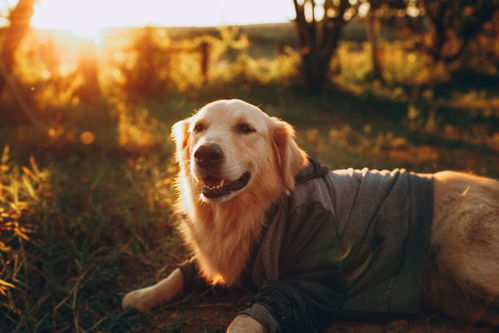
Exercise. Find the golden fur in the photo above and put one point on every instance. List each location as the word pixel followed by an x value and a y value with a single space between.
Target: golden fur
pixel 462 279
pixel 221 233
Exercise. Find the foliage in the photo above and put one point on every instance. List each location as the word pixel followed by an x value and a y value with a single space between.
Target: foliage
pixel 156 63
pixel 137 130
pixel 22 190
pixel 148 53
pixel 451 35
pixel 454 25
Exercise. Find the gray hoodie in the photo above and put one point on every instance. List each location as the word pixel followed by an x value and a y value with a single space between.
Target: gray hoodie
pixel 345 240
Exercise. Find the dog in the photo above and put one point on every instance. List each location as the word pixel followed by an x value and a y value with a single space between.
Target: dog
pixel 257 211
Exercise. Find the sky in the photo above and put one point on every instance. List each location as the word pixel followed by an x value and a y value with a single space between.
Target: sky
pixel 97 14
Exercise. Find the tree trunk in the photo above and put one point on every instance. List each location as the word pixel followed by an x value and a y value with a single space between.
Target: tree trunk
pixel 19 25
pixel 318 38
pixel 316 64
pixel 439 36
pixel 372 33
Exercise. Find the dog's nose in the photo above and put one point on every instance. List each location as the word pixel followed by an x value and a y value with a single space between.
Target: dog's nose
pixel 208 155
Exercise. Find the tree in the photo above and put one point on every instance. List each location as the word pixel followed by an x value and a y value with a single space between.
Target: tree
pixel 19 24
pixel 319 28
pixel 454 24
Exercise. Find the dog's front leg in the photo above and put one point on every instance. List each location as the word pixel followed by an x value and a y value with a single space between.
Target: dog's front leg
pixel 245 324
pixel 146 298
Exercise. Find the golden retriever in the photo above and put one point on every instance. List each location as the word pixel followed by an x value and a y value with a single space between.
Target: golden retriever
pixel 236 161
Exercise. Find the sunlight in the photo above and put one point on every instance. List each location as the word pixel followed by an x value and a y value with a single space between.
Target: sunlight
pixel 87 18
pixel 73 17
pixel 84 33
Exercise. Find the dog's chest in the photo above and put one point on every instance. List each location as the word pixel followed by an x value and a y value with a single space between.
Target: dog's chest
pixel 222 247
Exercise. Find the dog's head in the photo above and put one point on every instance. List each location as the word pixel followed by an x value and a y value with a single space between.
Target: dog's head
pixel 230 146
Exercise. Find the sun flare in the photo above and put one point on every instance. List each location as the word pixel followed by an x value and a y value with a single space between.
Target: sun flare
pixel 88 18
pixel 81 19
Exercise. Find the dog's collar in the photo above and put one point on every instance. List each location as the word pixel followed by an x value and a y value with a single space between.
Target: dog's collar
pixel 313 170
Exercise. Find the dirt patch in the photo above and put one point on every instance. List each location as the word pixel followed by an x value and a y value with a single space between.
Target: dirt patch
pixel 210 312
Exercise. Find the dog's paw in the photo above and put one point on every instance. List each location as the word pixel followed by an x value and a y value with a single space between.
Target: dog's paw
pixel 164 291
pixel 141 299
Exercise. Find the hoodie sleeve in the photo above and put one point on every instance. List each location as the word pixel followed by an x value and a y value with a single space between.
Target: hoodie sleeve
pixel 193 282
pixel 308 289
pixel 295 306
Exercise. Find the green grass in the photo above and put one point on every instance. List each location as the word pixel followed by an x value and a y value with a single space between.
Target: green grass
pixel 86 242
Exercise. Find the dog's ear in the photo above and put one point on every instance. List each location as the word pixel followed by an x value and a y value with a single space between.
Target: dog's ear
pixel 290 158
pixel 180 135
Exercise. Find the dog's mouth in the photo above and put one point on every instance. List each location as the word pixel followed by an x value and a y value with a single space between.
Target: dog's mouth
pixel 215 187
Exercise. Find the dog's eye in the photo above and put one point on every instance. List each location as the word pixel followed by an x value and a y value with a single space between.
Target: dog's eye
pixel 244 128
pixel 199 128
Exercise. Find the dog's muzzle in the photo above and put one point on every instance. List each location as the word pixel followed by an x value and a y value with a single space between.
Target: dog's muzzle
pixel 209 158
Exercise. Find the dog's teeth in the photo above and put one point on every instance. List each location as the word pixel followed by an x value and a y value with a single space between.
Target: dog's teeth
pixel 218 186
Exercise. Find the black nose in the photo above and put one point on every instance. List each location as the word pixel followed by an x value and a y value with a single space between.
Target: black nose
pixel 208 155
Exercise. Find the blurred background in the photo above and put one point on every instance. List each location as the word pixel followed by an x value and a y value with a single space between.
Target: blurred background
pixel 89 91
